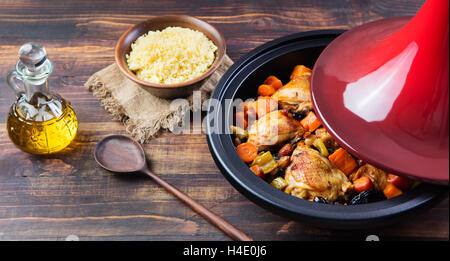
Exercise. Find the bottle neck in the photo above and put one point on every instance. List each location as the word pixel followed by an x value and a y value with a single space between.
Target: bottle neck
pixel 35 81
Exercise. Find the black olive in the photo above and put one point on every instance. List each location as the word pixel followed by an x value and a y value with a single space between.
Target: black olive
pixel 368 196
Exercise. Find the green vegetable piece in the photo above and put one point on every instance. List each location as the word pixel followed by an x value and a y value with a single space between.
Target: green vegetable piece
pixel 318 143
pixel 239 132
pixel 279 183
pixel 265 161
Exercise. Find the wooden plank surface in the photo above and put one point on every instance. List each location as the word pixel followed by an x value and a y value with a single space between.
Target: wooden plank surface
pixel 52 197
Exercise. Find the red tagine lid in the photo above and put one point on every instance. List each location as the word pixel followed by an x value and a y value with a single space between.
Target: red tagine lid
pixel 382 91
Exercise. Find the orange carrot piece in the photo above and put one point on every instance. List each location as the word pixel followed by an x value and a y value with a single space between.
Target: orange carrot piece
pixel 257 170
pixel 362 184
pixel 400 182
pixel 300 70
pixel 265 105
pixel 243 106
pixel 247 151
pixel 310 122
pixel 266 90
pixel 343 160
pixel 250 109
pixel 391 191
pixel 274 82
pixel 241 120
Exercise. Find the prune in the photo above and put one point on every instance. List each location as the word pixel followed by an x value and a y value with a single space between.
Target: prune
pixel 298 115
pixel 326 201
pixel 368 196
pixel 321 200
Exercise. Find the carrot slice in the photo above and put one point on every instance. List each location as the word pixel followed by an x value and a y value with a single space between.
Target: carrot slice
pixel 310 122
pixel 266 90
pixel 241 120
pixel 265 105
pixel 274 82
pixel 363 184
pixel 250 109
pixel 391 191
pixel 300 70
pixel 243 106
pixel 258 171
pixel 399 182
pixel 247 151
pixel 343 160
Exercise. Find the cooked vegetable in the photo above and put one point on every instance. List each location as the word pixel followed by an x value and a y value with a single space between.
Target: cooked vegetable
pixel 377 176
pixel 266 161
pixel 266 90
pixel 322 200
pixel 326 201
pixel 300 70
pixel 257 170
pixel 400 182
pixel 343 160
pixel 275 171
pixel 318 143
pixel 309 141
pixel 368 196
pixel 274 82
pixel 243 106
pixel 299 115
pixel 279 183
pixel 282 121
pixel 239 132
pixel 391 191
pixel 310 122
pixel 260 107
pixel 283 162
pixel 237 141
pixel 363 184
pixel 241 120
pixel 247 151
pixel 286 150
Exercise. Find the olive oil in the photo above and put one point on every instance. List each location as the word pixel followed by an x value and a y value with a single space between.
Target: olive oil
pixel 39 136
pixel 39 121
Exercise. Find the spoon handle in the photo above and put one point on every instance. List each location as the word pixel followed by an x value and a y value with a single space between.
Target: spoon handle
pixel 221 223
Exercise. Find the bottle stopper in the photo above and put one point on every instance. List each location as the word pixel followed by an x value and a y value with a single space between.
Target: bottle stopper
pixel 32 55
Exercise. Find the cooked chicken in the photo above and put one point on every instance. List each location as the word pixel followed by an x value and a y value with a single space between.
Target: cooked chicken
pixel 326 138
pixel 295 96
pixel 377 176
pixel 272 129
pixel 310 174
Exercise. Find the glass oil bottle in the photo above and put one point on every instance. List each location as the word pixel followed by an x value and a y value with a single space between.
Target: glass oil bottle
pixel 39 121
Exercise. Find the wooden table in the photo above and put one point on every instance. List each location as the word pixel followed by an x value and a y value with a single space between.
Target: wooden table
pixel 53 197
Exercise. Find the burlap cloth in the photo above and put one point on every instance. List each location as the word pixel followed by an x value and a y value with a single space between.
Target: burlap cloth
pixel 142 113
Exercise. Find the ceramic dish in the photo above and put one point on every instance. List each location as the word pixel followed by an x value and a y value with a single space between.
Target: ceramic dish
pixel 123 48
pixel 278 57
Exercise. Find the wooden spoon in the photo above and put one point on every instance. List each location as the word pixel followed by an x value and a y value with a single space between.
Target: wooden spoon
pixel 119 153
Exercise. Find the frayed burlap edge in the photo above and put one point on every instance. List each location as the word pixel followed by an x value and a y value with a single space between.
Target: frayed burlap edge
pixel 140 130
pixel 143 130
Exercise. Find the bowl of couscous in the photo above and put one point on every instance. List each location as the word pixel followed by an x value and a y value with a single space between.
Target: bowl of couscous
pixel 169 55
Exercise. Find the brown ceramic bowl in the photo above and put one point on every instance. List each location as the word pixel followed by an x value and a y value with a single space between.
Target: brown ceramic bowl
pixel 183 89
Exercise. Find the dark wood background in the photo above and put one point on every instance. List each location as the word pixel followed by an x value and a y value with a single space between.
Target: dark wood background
pixel 50 198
